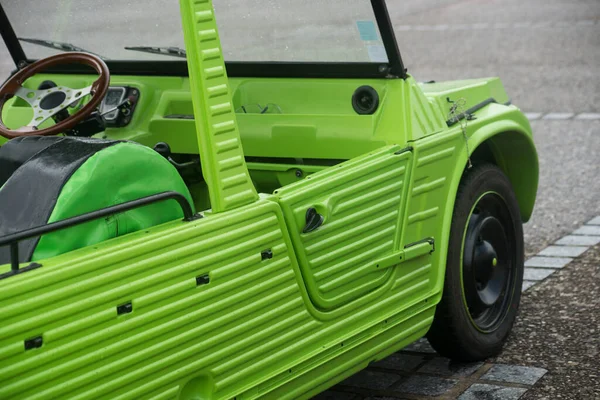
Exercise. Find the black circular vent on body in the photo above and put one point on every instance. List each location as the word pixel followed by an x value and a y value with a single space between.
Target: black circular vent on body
pixel 365 100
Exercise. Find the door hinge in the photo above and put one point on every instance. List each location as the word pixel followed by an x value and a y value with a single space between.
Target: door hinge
pixel 420 248
pixel 411 251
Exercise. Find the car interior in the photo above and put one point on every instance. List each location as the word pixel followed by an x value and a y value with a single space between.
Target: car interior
pixel 289 128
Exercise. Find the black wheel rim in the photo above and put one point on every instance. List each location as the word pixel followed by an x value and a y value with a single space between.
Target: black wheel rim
pixel 489 262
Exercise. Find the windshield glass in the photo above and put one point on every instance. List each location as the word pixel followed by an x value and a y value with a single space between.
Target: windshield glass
pixel 251 30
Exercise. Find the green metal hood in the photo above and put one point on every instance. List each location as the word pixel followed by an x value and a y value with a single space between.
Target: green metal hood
pixel 474 91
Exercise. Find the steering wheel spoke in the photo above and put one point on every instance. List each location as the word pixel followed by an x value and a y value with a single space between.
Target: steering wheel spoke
pixel 75 95
pixel 28 95
pixel 35 122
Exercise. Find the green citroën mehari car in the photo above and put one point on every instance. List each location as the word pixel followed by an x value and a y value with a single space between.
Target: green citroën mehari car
pixel 258 213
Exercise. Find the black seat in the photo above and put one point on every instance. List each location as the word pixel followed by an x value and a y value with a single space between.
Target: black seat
pixel 17 151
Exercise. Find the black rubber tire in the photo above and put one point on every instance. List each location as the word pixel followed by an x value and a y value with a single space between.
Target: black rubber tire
pixel 453 333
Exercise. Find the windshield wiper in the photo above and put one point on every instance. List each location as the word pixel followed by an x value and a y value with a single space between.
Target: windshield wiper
pixel 165 51
pixel 59 46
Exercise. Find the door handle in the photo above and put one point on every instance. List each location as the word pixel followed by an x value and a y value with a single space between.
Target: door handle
pixel 313 220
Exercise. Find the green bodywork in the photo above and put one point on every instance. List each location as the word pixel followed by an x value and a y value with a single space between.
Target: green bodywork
pixel 329 302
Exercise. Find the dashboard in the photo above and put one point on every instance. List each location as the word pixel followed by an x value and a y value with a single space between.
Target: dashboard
pixel 118 105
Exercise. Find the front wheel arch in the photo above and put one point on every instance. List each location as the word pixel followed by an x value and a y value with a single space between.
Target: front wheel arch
pixel 514 153
pixel 493 144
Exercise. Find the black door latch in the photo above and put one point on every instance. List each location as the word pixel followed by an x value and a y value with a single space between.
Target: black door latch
pixel 313 220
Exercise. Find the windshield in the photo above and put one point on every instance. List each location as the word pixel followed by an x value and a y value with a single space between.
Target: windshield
pixel 251 30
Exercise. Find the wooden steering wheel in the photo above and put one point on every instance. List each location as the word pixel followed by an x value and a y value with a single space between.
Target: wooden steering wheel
pixel 49 102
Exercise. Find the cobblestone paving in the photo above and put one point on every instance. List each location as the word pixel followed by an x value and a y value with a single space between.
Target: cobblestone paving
pixel 559 330
pixel 418 373
pixel 561 253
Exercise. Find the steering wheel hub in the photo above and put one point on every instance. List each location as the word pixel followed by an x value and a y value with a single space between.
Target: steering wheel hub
pixel 52 100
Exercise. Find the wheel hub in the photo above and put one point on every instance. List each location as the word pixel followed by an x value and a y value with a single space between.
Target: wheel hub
pixel 486 265
pixel 486 260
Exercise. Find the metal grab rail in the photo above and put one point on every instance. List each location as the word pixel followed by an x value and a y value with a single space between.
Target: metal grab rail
pixel 13 240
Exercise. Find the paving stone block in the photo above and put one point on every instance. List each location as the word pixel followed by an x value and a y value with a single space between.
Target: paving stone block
pixel 547 262
pixel 559 116
pixel 527 284
pixel 533 115
pixel 480 391
pixel 373 380
pixel 426 385
pixel 576 240
pixel 420 346
pixel 589 230
pixel 588 116
pixel 333 395
pixel 400 362
pixel 445 367
pixel 537 274
pixel 514 374
pixel 595 221
pixel 563 251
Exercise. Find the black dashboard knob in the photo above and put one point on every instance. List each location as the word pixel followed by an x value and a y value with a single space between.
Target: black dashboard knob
pixel 163 149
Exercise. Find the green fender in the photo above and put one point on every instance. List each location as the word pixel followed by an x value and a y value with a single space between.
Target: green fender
pixel 513 149
pixel 510 140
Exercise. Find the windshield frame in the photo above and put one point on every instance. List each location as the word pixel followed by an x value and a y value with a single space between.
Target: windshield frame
pixel 394 68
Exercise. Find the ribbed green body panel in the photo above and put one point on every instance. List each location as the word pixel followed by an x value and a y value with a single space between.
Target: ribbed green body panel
pixel 435 162
pixel 177 330
pixel 395 337
pixel 220 146
pixel 244 331
pixel 361 203
pixel 426 117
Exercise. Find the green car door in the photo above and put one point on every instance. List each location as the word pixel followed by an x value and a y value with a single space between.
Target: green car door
pixel 345 224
